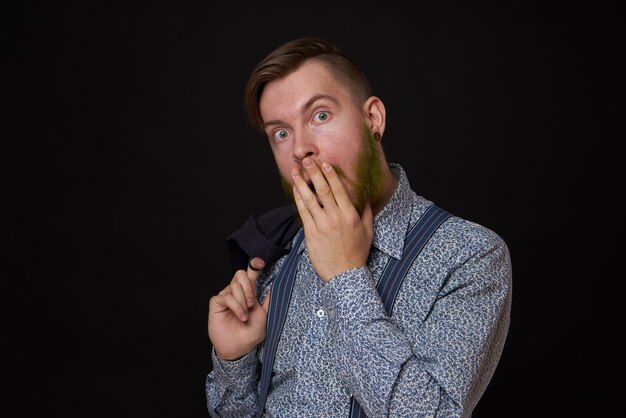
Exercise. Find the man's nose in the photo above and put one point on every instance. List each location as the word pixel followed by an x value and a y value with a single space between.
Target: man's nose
pixel 304 146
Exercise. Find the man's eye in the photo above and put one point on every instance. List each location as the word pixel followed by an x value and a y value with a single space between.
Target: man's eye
pixel 321 116
pixel 281 135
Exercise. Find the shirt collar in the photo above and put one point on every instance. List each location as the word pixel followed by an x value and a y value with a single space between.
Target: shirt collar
pixel 393 220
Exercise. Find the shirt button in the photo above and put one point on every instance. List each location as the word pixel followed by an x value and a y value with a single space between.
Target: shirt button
pixel 320 313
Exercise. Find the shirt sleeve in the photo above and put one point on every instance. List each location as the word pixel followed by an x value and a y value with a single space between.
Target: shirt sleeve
pixel 231 387
pixel 442 366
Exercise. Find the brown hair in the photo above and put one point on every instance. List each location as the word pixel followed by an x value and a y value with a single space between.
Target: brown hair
pixel 288 57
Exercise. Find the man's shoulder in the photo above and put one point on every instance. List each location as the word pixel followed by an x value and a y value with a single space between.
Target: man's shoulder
pixel 458 232
pixel 472 231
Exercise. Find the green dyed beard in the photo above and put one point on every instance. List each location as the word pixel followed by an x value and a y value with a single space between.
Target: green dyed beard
pixel 369 174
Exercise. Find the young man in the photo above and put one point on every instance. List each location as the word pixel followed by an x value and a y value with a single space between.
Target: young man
pixel 425 342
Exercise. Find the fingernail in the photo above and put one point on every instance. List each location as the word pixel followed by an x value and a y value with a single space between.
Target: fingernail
pixel 250 303
pixel 295 173
pixel 307 162
pixel 325 166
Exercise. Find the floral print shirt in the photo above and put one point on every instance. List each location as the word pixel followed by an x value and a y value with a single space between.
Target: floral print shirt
pixel 433 357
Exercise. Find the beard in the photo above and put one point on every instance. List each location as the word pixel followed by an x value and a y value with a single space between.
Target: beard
pixel 369 175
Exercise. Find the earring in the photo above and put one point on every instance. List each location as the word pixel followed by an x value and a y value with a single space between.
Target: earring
pixel 376 136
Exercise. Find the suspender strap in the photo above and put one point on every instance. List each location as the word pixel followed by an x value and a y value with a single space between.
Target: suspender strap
pixel 388 287
pixel 416 239
pixel 279 303
pixel 395 270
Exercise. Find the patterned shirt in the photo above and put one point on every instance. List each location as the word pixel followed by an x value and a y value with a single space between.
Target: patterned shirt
pixel 434 356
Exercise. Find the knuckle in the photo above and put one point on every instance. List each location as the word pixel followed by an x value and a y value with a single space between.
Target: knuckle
pixel 309 201
pixel 354 219
pixel 323 190
pixel 339 189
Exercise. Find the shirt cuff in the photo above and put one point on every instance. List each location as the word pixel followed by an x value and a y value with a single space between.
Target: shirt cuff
pixel 237 374
pixel 352 296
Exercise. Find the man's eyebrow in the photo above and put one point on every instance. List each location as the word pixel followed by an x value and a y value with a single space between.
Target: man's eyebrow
pixel 304 107
pixel 314 99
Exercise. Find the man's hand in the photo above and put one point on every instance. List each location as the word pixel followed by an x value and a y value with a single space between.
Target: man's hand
pixel 337 238
pixel 236 319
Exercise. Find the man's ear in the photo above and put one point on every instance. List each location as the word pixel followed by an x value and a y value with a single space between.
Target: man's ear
pixel 374 111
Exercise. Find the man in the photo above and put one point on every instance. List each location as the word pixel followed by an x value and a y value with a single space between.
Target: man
pixel 344 347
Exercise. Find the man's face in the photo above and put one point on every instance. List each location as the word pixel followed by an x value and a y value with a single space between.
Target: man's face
pixel 309 113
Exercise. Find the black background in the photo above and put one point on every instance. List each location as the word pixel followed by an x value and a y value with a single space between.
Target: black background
pixel 126 161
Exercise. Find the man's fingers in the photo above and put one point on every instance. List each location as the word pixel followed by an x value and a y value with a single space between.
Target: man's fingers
pixel 322 188
pixel 306 194
pixel 240 287
pixel 228 301
pixel 339 191
pixel 255 265
pixel 305 215
pixel 238 292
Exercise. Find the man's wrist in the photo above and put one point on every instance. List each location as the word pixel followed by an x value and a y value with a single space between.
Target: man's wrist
pixel 233 356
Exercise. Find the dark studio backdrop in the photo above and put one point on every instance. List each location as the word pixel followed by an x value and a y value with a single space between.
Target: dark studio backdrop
pixel 126 161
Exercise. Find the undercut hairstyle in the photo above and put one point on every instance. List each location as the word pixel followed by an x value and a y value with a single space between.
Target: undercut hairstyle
pixel 288 57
